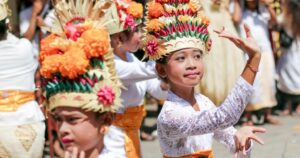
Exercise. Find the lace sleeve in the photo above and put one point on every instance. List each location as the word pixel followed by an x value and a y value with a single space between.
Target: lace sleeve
pixel 226 137
pixel 180 122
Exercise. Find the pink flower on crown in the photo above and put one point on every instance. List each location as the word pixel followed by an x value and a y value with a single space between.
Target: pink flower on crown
pixel 152 47
pixel 129 23
pixel 72 32
pixel 106 95
pixel 72 29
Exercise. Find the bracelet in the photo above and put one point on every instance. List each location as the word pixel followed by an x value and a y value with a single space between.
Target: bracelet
pixel 255 70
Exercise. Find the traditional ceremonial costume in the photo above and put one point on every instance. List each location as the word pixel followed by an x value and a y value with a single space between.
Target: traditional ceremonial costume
pixel 77 61
pixel 21 119
pixel 138 78
pixel 173 25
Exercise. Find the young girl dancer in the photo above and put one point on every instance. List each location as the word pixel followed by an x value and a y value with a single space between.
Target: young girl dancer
pixel 80 86
pixel 177 39
pixel 137 77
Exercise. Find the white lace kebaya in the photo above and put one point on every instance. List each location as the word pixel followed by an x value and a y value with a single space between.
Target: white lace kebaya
pixel 184 131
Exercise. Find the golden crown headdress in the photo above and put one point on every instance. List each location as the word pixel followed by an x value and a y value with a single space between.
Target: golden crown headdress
pixel 173 25
pixel 77 62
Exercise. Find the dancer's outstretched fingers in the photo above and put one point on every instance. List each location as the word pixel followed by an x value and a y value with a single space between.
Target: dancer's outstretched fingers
pixel 257 139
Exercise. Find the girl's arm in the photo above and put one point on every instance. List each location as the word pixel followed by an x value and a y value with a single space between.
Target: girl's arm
pixel 130 72
pixel 177 122
pixel 227 138
pixel 239 141
pixel 237 13
pixel 267 3
pixel 250 47
pixel 37 7
pixel 155 90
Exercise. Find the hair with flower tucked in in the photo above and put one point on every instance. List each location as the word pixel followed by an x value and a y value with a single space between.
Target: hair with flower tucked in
pixel 172 25
pixel 77 60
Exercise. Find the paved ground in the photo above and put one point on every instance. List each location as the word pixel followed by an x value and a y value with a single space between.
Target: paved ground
pixel 281 141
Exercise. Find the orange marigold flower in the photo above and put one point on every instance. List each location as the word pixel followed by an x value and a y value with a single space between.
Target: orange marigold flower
pixel 155 10
pixel 74 63
pixel 135 10
pixel 95 42
pixel 154 25
pixel 193 7
pixel 46 48
pixel 205 20
pixel 50 65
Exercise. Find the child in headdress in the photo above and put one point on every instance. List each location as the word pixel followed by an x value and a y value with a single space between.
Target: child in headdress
pixel 80 84
pixel 177 39
pixel 136 76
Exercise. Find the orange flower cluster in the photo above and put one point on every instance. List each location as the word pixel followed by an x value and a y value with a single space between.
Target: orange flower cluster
pixel 135 10
pixel 95 42
pixel 71 58
pixel 74 63
pixel 71 64
pixel 154 25
pixel 46 49
pixel 51 65
pixel 155 10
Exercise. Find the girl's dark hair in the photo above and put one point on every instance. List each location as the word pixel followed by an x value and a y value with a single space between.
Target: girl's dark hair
pixel 162 60
pixel 257 6
pixel 105 117
pixel 3 28
pixel 293 10
pixel 126 35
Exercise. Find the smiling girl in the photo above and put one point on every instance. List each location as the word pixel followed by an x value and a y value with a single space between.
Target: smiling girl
pixel 177 38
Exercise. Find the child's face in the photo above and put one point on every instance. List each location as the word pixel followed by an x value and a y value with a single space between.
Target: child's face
pixel 134 41
pixel 251 4
pixel 185 67
pixel 76 127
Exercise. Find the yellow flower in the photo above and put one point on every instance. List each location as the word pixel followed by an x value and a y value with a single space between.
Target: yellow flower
pixel 193 7
pixel 183 18
pixel 205 20
pixel 135 10
pixel 154 25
